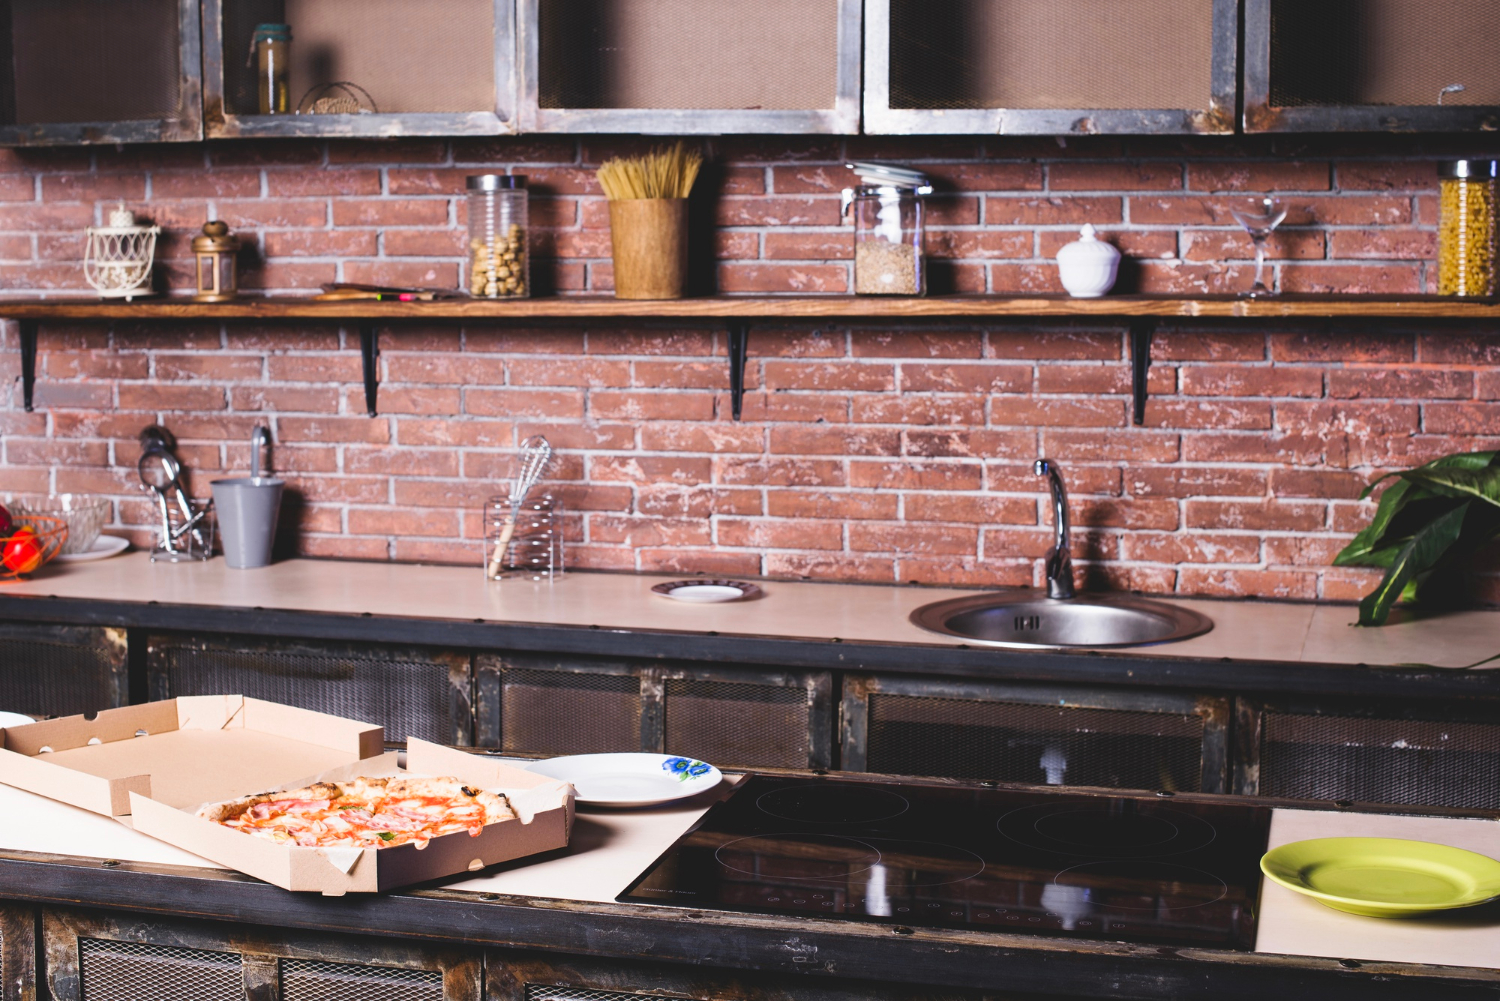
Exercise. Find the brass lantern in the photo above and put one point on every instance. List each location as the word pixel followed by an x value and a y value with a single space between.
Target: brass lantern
pixel 216 250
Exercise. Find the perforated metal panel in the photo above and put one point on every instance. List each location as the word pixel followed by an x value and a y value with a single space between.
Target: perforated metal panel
pixel 410 693
pixel 1380 760
pixel 1047 53
pixel 308 980
pixel 568 712
pixel 737 724
pixel 1383 52
pixel 62 670
pixel 1042 744
pixel 132 971
pixel 541 992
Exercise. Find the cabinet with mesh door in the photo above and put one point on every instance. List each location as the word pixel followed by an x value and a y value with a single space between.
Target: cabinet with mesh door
pixel 62 670
pixel 17 953
pixel 81 71
pixel 1371 66
pixel 365 67
pixel 1050 67
pixel 93 956
pixel 1035 734
pixel 689 67
pixel 411 692
pixel 536 704
pixel 1410 755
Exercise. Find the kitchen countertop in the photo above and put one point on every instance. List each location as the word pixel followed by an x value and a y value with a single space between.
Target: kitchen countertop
pixel 815 612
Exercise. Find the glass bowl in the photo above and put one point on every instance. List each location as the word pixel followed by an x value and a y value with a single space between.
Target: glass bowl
pixel 85 515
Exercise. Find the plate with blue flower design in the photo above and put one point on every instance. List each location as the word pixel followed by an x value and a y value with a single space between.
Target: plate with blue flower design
pixel 631 779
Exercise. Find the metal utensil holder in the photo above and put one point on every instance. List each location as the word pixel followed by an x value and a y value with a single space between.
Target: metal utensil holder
pixel 181 539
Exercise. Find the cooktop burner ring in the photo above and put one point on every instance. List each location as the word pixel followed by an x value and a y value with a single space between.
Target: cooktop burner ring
pixel 1163 879
pixel 804 869
pixel 1143 830
pixel 832 803
pixel 892 848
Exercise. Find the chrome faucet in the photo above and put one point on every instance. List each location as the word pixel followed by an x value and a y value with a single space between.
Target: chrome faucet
pixel 1059 557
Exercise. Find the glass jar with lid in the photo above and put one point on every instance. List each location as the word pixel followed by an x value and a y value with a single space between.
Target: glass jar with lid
pixel 499 255
pixel 269 59
pixel 1466 227
pixel 888 229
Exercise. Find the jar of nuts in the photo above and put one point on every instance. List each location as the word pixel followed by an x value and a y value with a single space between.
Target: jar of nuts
pixel 1466 227
pixel 888 229
pixel 499 258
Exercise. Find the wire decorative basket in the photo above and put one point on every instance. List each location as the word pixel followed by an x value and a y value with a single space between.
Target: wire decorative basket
pixel 33 540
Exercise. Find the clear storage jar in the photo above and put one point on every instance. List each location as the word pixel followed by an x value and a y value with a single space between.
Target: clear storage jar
pixel 523 541
pixel 888 238
pixel 499 255
pixel 1466 227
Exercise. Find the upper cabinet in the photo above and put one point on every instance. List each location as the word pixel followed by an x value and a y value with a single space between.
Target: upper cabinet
pixel 364 67
pixel 1371 65
pixel 99 71
pixel 690 67
pixel 1050 67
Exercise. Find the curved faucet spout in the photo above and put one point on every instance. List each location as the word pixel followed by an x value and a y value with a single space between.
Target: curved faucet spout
pixel 1060 556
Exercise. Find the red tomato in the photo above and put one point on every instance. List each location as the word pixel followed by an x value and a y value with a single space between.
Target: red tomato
pixel 6 524
pixel 22 552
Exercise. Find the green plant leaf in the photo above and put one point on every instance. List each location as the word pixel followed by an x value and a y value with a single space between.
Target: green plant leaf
pixel 1425 550
pixel 1480 484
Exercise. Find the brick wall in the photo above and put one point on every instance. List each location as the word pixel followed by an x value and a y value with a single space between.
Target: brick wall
pixel 873 452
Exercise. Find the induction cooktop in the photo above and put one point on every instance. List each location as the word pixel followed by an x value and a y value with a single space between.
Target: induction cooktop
pixel 1123 868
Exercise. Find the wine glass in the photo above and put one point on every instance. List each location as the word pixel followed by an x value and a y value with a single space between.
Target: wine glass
pixel 1260 220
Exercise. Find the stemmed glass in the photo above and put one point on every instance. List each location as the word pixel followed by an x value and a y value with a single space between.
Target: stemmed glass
pixel 1260 220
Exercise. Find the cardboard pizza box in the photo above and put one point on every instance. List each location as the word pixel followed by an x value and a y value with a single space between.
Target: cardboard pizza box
pixel 152 766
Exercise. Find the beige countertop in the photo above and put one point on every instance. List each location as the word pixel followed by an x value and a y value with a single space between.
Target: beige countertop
pixel 1243 630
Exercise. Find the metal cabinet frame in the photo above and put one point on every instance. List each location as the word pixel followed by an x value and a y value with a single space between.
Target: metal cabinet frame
pixel 1216 117
pixel 184 126
pixel 18 952
pixel 841 119
pixel 1261 116
pixel 260 950
pixel 222 123
pixel 1213 710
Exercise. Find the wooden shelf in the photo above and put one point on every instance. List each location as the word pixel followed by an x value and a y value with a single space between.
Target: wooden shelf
pixel 765 307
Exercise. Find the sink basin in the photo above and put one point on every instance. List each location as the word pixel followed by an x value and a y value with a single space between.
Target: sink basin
pixel 1025 619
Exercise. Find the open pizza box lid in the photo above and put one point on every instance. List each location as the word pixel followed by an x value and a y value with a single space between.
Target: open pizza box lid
pixel 152 766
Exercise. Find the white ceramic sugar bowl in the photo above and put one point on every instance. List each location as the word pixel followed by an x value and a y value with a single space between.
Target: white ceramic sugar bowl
pixel 1088 265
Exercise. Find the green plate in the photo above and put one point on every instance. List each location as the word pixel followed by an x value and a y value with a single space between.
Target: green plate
pixel 1384 877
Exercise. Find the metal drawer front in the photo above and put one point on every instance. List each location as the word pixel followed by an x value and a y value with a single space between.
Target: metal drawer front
pixel 412 693
pixel 569 712
pixel 309 980
pixel 1041 744
pixel 737 724
pixel 1374 760
pixel 130 971
pixel 62 670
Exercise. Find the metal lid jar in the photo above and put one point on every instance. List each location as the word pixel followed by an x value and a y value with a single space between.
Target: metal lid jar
pixel 499 255
pixel 1466 228
pixel 888 230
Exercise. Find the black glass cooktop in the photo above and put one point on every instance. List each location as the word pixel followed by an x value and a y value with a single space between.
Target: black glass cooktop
pixel 1141 869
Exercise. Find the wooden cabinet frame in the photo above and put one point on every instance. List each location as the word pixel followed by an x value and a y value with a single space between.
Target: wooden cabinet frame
pixel 1215 117
pixel 222 123
pixel 1262 116
pixel 186 125
pixel 842 118
pixel 18 952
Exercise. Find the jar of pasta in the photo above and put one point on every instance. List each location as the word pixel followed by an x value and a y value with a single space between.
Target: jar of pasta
pixel 1466 227
pixel 499 258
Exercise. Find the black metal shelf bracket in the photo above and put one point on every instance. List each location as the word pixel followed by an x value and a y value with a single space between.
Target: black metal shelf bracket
pixel 28 361
pixel 739 350
pixel 1142 330
pixel 369 357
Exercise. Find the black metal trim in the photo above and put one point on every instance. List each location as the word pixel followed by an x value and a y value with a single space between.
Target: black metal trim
pixel 739 350
pixel 1142 331
pixel 28 361
pixel 369 360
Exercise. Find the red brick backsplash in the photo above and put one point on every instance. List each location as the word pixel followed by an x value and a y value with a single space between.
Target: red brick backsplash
pixel 868 452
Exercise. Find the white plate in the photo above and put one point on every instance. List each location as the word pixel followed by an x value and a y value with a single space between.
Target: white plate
pixel 706 591
pixel 630 779
pixel 104 547
pixel 14 719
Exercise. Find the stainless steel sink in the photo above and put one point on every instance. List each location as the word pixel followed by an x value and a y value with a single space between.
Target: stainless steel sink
pixel 1030 620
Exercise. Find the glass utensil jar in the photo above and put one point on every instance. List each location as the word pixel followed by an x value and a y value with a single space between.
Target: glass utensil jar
pixel 523 541
pixel 268 57
pixel 499 258
pixel 888 237
pixel 1466 227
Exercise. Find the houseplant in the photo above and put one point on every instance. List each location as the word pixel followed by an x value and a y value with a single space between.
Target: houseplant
pixel 1427 522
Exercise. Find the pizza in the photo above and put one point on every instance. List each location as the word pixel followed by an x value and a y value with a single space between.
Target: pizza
pixel 363 812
